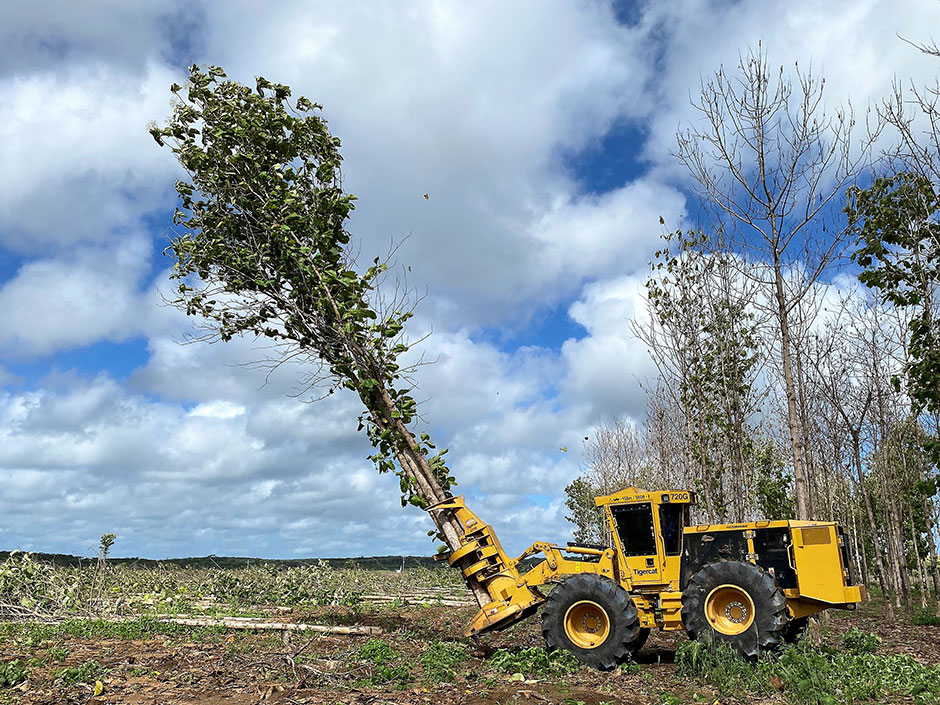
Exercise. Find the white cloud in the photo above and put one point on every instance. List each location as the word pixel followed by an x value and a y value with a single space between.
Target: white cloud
pixel 475 107
pixel 75 158
pixel 607 367
pixel 219 409
pixel 78 297
pixel 855 46
pixel 46 35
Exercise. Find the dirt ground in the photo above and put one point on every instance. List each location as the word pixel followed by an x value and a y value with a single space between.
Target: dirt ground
pixel 239 667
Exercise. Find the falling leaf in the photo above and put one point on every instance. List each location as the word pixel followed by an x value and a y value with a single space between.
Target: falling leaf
pixel 426 197
pixel 564 449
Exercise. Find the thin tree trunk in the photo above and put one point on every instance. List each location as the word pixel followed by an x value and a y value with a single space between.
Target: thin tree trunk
pixel 879 562
pixel 415 465
pixel 796 433
pixel 921 573
pixel 860 564
pixel 894 526
pixel 931 544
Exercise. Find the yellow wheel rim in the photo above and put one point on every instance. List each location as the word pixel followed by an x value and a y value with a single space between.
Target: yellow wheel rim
pixel 587 624
pixel 729 609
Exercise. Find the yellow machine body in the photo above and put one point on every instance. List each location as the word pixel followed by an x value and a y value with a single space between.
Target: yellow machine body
pixel 651 555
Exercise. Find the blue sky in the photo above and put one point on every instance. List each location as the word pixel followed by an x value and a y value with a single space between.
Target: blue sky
pixel 541 132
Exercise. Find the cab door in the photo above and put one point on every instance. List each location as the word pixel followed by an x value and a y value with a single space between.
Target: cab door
pixel 672 521
pixel 636 533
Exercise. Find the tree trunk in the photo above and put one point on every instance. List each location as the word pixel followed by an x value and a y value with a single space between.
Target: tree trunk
pixel 921 572
pixel 796 433
pixel 869 512
pixel 415 465
pixel 935 568
pixel 860 563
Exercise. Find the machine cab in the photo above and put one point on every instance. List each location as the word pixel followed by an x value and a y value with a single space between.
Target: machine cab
pixel 647 530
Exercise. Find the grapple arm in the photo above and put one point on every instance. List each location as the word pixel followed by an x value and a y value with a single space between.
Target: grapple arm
pixel 514 596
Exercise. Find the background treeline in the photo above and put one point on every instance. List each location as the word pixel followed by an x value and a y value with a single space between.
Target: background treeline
pixel 394 563
pixel 795 330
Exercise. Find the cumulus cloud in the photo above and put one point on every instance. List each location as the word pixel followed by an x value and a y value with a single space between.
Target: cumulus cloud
pixel 608 367
pixel 113 460
pixel 80 296
pixel 75 158
pixel 462 104
pixel 855 46
pixel 46 36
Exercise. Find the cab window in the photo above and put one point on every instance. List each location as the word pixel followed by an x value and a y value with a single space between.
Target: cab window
pixel 635 528
pixel 671 522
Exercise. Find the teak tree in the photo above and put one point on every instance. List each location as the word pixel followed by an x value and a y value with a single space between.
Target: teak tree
pixel 766 161
pixel 896 223
pixel 263 251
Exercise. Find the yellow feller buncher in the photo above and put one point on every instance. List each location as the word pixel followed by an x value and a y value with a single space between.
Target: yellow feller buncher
pixel 753 585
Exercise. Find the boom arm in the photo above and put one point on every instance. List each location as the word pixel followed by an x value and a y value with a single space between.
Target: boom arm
pixel 514 595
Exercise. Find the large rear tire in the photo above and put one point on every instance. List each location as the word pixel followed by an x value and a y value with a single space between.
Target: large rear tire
pixel 593 618
pixel 738 603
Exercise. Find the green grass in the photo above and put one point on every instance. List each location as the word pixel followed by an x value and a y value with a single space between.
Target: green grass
pixel 927 618
pixel 812 675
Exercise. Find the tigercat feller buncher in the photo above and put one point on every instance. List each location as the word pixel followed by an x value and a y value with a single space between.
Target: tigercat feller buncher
pixel 753 585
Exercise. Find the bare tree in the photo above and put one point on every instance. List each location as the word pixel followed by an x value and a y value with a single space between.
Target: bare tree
pixel 767 163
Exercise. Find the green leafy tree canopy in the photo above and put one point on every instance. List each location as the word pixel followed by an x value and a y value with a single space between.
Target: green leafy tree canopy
pixel 264 251
pixel 896 225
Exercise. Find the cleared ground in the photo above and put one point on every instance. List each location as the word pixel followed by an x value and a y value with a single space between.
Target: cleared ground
pixel 421 657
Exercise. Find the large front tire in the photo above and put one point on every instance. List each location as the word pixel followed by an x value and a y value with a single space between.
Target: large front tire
pixel 594 619
pixel 738 603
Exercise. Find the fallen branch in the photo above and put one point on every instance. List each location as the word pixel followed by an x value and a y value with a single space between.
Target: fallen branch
pixel 258 623
pixel 429 600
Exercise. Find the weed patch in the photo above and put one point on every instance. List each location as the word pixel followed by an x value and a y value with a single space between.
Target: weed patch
pixel 813 676
pixel 88 672
pixel 387 668
pixel 377 651
pixel 860 642
pixel 440 659
pixel 534 661
pixel 11 674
